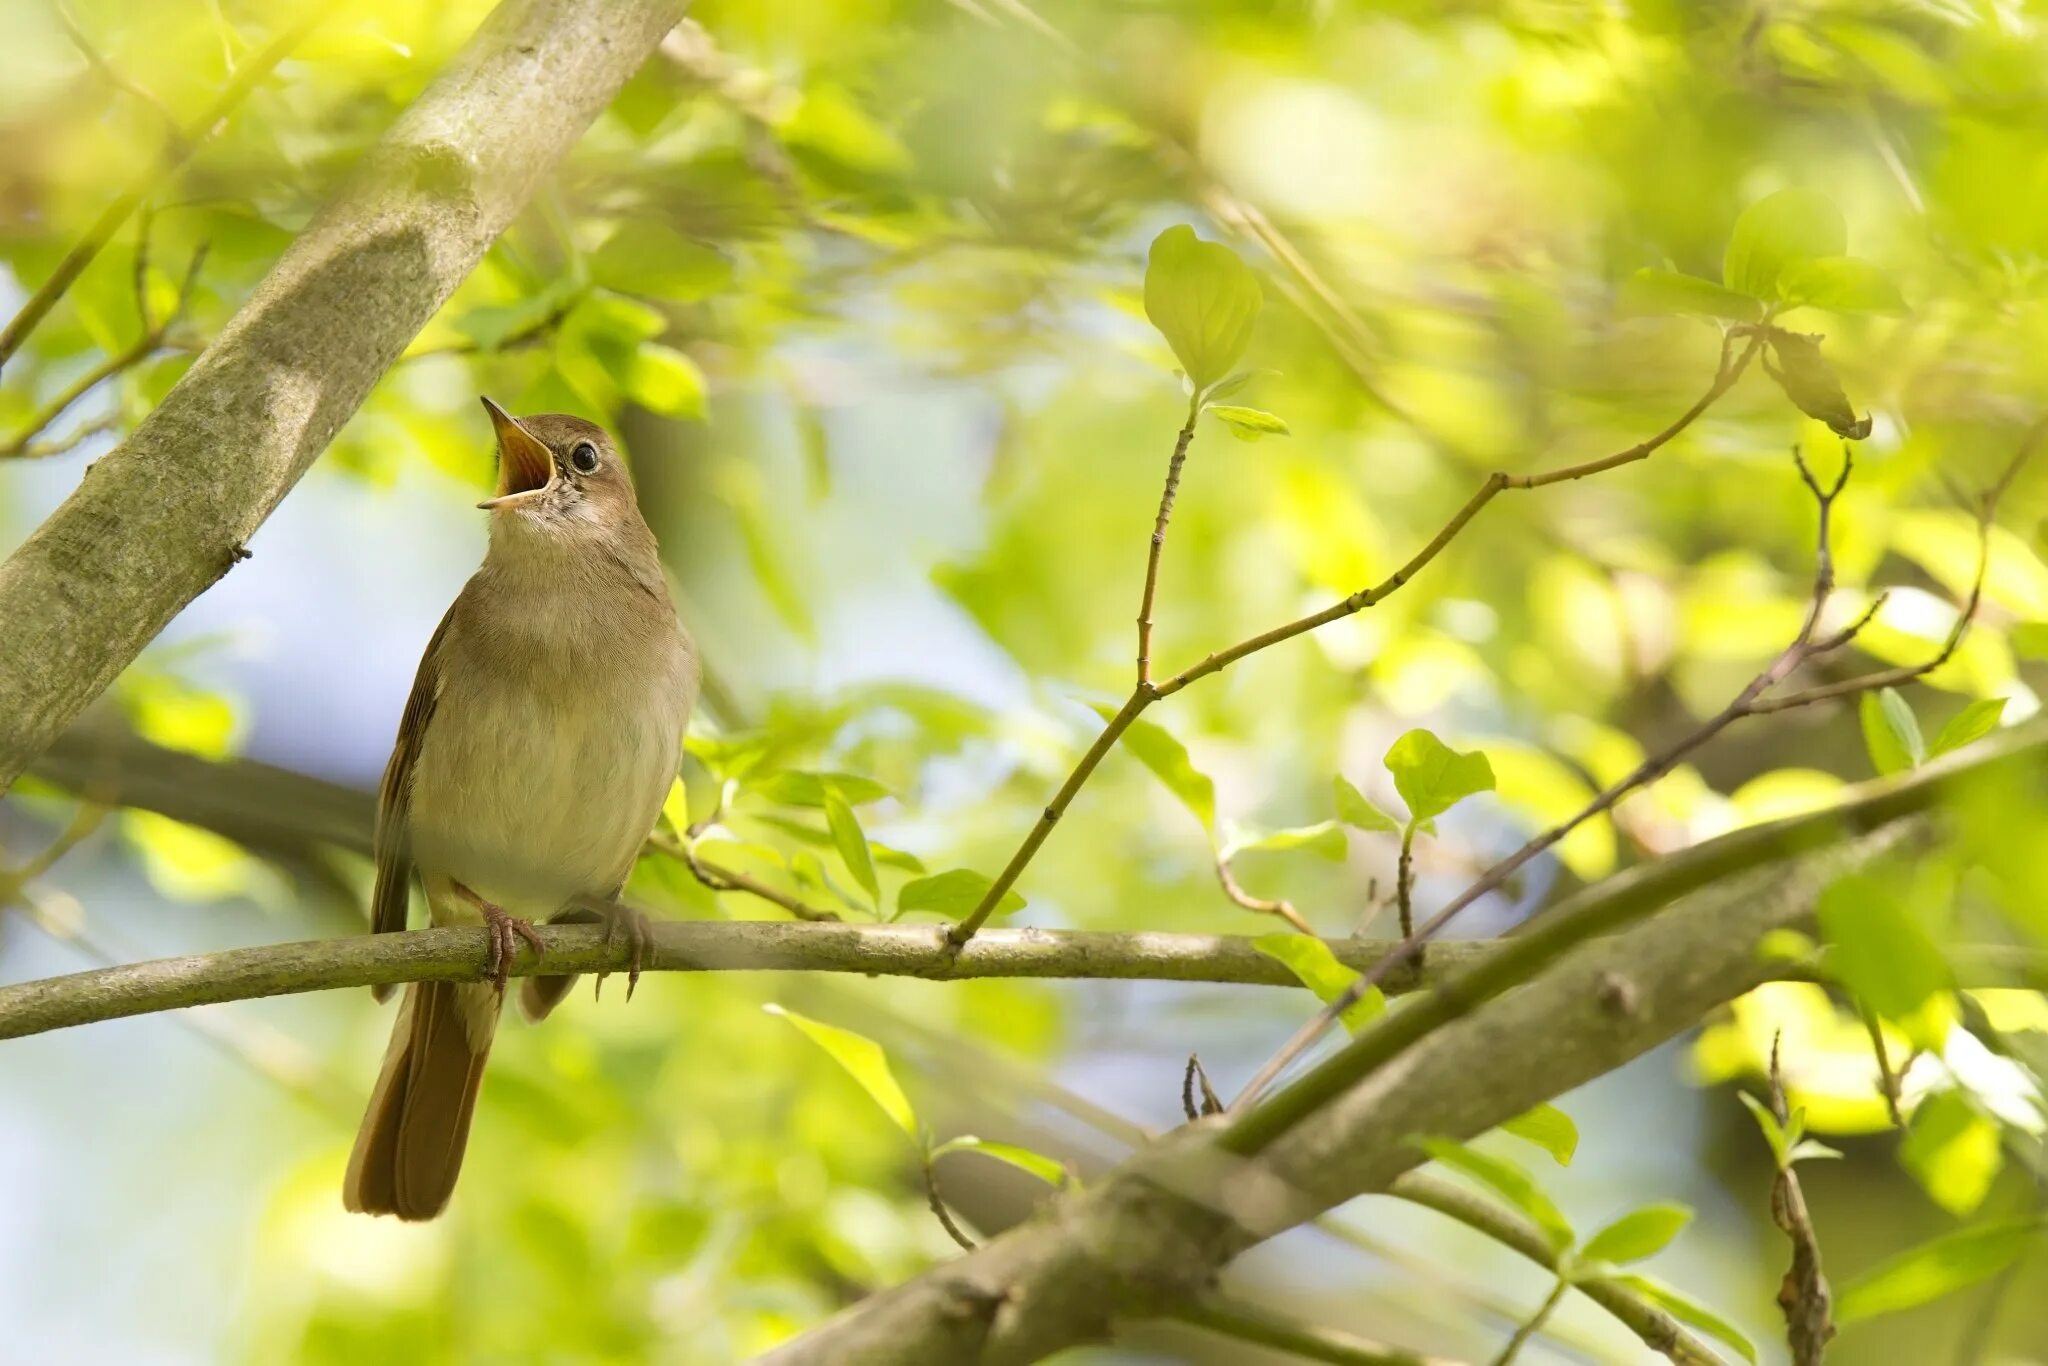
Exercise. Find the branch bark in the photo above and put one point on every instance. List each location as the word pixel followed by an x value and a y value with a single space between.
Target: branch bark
pixel 169 511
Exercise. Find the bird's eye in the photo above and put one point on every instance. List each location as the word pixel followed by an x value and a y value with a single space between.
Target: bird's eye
pixel 584 457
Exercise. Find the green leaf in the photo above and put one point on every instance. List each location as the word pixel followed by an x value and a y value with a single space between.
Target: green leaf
pixel 1880 949
pixel 645 257
pixel 1891 733
pixel 1203 300
pixel 1317 967
pixel 952 894
pixel 863 1060
pixel 852 844
pixel 1168 760
pixel 1039 1165
pixel 1781 1137
pixel 1811 383
pixel 1507 1180
pixel 795 787
pixel 1667 291
pixel 1969 725
pixel 1324 838
pixel 1845 284
pixel 1690 1312
pixel 2030 640
pixel 1636 1235
pixel 1953 1151
pixel 1432 777
pixel 1355 811
pixel 1249 424
pixel 1937 1268
pixel 663 380
pixel 1778 232
pixel 1550 1129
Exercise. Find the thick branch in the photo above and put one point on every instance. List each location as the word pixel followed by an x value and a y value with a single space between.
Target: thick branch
pixel 457 955
pixel 167 513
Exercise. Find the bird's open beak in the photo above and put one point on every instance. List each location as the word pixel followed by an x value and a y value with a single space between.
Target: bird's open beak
pixel 526 468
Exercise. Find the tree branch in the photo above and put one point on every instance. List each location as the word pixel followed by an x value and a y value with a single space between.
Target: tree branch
pixel 456 954
pixel 164 515
pixel 1257 1324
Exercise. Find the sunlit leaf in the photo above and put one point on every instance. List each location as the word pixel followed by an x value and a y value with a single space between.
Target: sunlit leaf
pixel 1667 291
pixel 2030 640
pixel 1952 1150
pixel 663 380
pixel 1844 284
pixel 1878 947
pixel 1432 777
pixel 1355 811
pixel 1550 1129
pixel 1779 231
pixel 1639 1234
pixel 1969 725
pixel 952 894
pixel 1891 733
pixel 796 787
pixel 852 844
pixel 646 257
pixel 1168 759
pixel 1039 1165
pixel 863 1060
pixel 1324 839
pixel 1203 300
pixel 1934 1269
pixel 1249 424
pixel 1812 384
pixel 1507 1180
pixel 1311 961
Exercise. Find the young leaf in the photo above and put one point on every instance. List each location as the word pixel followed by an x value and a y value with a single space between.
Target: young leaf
pixel 1879 948
pixel 663 380
pixel 1844 284
pixel 1358 813
pixel 863 1060
pixel 1634 1236
pixel 1891 733
pixel 1690 1312
pixel 1969 725
pixel 646 257
pixel 1952 1151
pixel 1039 1165
pixel 1168 760
pixel 1777 232
pixel 952 894
pixel 1937 1268
pixel 1779 1136
pixel 1432 777
pixel 1311 961
pixel 2030 640
pixel 1550 1129
pixel 1324 839
pixel 1667 291
pixel 1507 1180
pixel 852 844
pixel 1249 424
pixel 1203 300
pixel 796 788
pixel 1811 383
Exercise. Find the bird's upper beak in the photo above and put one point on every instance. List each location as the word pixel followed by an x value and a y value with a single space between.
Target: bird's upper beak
pixel 526 468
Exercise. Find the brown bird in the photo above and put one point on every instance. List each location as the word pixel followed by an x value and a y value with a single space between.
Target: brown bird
pixel 542 734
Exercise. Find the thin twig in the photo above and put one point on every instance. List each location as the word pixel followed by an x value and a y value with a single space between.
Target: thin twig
pixel 1278 906
pixel 1887 1078
pixel 1753 700
pixel 112 75
pixel 1534 1325
pixel 1259 1325
pixel 938 1207
pixel 1190 1079
pixel 1158 544
pixel 1803 1295
pixel 1730 369
pixel 245 79
pixel 720 879
pixel 1404 881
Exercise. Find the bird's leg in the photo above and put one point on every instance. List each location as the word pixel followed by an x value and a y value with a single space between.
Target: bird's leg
pixel 619 918
pixel 505 932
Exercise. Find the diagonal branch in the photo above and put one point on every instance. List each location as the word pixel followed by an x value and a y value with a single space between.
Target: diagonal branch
pixel 164 516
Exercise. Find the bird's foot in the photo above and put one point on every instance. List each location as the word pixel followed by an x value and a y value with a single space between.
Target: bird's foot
pixel 621 919
pixel 505 931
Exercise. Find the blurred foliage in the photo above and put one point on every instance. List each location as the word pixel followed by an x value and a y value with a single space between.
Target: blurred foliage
pixel 863 285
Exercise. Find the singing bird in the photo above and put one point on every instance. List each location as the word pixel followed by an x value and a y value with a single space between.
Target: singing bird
pixel 542 734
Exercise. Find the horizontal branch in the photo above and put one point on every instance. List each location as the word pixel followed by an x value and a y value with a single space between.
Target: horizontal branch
pixel 457 955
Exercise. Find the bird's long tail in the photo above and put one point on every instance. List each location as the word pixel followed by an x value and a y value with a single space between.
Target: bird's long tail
pixel 409 1150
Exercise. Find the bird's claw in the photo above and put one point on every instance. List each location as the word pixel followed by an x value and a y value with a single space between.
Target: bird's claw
pixel 505 932
pixel 623 919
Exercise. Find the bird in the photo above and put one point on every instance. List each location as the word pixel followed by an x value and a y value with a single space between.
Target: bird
pixel 542 734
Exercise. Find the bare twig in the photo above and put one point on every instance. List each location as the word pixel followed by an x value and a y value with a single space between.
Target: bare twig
pixel 1404 881
pixel 1887 1077
pixel 245 79
pixel 1278 906
pixel 1729 370
pixel 1803 1295
pixel 1753 700
pixel 938 1207
pixel 1312 1342
pixel 1193 1077
pixel 1534 1325
pixel 731 880
pixel 113 76
pixel 1158 544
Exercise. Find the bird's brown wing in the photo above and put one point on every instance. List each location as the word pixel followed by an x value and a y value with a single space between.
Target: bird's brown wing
pixel 392 844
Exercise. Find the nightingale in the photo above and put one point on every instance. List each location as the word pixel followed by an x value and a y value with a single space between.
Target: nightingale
pixel 542 734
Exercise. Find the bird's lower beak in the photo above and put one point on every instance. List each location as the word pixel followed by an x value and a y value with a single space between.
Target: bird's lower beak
pixel 526 468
